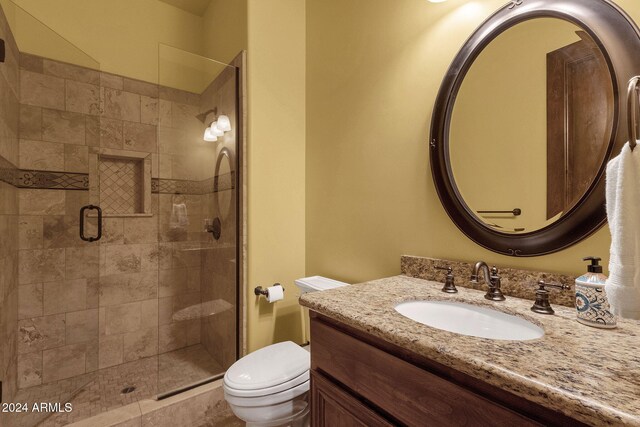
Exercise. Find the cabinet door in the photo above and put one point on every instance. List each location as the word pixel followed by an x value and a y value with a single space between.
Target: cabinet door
pixel 331 406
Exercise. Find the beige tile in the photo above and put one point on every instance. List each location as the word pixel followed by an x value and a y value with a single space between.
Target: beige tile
pixel 149 254
pixel 184 116
pixel 82 326
pixel 139 344
pixel 74 200
pixel 31 63
pixel 63 126
pixel 71 72
pixel 110 351
pixel 42 91
pixel 92 356
pixel 76 158
pixel 65 296
pixel 111 80
pixel 30 369
pixel 121 259
pixel 41 155
pixel 123 288
pixel 30 122
pixel 82 262
pixel 140 137
pixel 30 301
pixel 60 231
pixel 193 331
pixel 165 310
pixel 141 230
pixel 111 133
pixel 149 313
pixel 63 362
pixel 112 231
pixel 37 265
pixel 30 232
pixel 149 110
pixel 82 97
pixel 41 202
pixel 140 87
pixel 172 337
pixel 121 105
pixel 93 292
pixel 92 131
pixel 122 318
pixel 40 333
pixel 164 113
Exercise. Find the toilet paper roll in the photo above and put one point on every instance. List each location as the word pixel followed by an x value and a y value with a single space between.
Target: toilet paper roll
pixel 275 293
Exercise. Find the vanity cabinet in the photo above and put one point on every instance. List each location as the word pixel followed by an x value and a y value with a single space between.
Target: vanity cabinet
pixel 360 380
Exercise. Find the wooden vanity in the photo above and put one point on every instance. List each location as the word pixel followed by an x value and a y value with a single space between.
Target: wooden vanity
pixel 371 366
pixel 358 379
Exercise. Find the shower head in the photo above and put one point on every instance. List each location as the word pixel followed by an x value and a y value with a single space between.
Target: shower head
pixel 203 116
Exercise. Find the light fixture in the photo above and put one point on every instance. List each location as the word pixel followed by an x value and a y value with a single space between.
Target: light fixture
pixel 209 136
pixel 437 1
pixel 224 124
pixel 215 129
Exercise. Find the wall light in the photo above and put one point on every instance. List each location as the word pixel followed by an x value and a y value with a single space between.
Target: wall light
pixel 217 128
pixel 224 124
pixel 437 1
pixel 209 135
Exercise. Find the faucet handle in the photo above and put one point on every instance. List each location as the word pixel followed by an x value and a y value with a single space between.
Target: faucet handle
pixel 542 284
pixel 449 285
pixel 542 304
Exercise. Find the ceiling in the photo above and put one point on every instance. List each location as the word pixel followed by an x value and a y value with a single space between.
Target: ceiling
pixel 197 7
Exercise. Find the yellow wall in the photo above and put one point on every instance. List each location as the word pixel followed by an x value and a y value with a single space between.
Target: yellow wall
pixel 276 161
pixel 122 35
pixel 373 71
pixel 225 29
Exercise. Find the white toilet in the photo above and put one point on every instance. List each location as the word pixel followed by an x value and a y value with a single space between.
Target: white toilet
pixel 270 386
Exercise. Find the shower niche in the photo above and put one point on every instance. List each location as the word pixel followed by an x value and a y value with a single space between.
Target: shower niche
pixel 120 182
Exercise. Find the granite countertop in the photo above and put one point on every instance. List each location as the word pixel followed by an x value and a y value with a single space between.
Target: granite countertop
pixel 590 374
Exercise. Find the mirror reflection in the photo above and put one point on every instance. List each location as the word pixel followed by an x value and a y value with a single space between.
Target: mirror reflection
pixel 531 125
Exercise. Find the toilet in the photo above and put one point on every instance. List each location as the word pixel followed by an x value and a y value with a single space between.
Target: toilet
pixel 270 386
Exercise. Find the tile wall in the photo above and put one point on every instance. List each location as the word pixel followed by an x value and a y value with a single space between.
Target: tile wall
pixel 9 108
pixel 86 306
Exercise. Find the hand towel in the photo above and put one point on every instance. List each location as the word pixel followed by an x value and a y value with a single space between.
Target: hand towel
pixel 179 217
pixel 623 214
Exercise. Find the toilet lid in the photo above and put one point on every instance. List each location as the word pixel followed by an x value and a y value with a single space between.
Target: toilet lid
pixel 268 367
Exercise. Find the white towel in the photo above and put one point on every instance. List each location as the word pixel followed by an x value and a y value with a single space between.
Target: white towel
pixel 623 213
pixel 179 217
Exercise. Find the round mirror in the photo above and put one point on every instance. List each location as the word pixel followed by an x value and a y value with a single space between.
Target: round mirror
pixel 528 115
pixel 531 125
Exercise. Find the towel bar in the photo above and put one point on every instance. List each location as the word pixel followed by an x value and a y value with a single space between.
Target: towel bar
pixel 633 93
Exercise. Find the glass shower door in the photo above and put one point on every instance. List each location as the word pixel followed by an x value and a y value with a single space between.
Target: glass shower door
pixel 198 219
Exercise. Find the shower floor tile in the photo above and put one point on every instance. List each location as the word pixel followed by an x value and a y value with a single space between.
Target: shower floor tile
pixel 101 391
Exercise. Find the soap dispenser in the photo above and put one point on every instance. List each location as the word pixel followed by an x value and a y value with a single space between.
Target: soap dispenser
pixel 591 299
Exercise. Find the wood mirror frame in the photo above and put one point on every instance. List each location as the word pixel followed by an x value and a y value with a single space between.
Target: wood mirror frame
pixel 618 37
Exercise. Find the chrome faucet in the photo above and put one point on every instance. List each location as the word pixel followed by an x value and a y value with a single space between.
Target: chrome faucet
pixel 491 278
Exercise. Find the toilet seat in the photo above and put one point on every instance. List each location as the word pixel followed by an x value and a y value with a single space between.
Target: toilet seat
pixel 270 370
pixel 268 400
pixel 302 378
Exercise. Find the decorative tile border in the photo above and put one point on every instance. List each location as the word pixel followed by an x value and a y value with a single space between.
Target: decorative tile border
pixel 179 186
pixel 516 283
pixel 51 180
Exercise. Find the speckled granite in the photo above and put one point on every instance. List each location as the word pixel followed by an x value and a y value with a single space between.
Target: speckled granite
pixel 592 375
pixel 514 282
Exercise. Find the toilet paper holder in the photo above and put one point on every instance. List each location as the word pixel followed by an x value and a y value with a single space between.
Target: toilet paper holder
pixel 259 290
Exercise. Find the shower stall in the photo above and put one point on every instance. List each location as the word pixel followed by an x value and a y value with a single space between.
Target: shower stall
pixel 120 228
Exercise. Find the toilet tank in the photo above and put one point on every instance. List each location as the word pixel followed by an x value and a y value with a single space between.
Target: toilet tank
pixel 317 283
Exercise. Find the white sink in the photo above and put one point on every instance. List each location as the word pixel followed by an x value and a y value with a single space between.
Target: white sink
pixel 467 319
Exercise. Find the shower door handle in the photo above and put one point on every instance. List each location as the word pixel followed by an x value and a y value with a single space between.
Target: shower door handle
pixel 82 217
